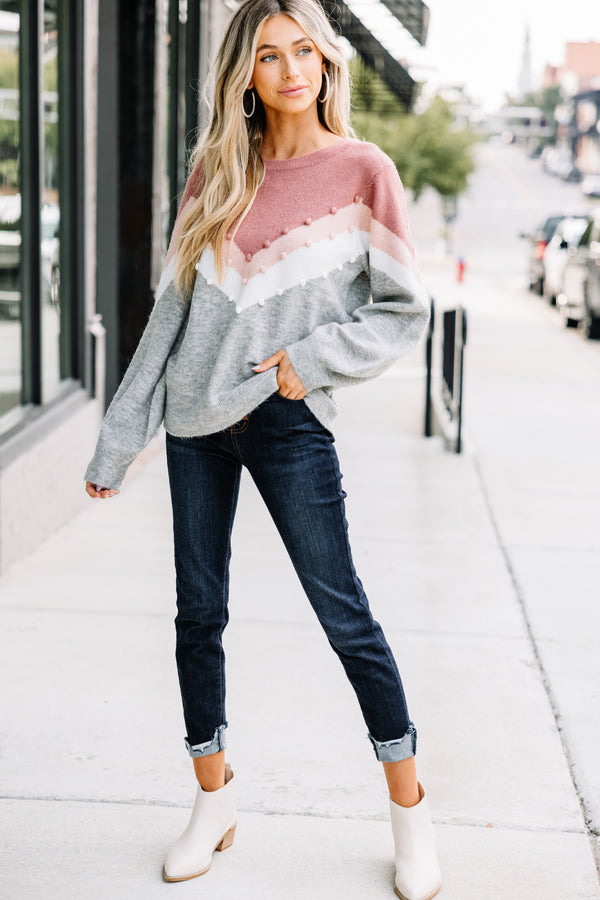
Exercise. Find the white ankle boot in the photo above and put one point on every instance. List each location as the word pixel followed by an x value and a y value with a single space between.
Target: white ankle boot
pixel 211 827
pixel 418 874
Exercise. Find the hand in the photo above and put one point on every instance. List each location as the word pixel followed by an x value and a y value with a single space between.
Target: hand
pixel 97 491
pixel 288 383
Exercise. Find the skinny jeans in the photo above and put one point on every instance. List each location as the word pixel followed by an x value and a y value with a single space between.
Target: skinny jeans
pixel 292 459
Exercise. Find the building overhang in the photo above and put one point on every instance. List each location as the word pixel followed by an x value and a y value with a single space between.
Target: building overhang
pixel 412 14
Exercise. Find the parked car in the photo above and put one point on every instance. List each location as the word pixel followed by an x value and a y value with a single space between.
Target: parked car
pixel 591 185
pixel 10 252
pixel 10 256
pixel 55 277
pixel 50 221
pixel 566 168
pixel 535 151
pixel 539 239
pixel 571 173
pixel 568 234
pixel 557 161
pixel 579 301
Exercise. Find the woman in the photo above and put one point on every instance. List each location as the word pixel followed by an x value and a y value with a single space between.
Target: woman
pixel 290 272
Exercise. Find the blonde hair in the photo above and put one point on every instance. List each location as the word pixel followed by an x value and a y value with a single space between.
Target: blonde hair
pixel 229 150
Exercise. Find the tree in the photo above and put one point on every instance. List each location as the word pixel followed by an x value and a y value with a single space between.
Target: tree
pixel 427 148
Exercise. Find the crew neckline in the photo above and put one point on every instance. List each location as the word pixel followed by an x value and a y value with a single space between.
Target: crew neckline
pixel 307 159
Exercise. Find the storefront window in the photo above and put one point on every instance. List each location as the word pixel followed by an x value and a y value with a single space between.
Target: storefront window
pixel 10 219
pixel 50 207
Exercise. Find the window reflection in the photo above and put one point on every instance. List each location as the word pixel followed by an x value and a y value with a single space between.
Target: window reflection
pixel 10 219
pixel 50 209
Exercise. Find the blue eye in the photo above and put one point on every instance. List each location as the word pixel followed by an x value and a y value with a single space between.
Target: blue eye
pixel 306 50
pixel 268 57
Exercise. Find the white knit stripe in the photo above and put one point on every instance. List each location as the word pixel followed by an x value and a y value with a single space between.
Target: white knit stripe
pixel 302 265
pixel 168 273
pixel 399 273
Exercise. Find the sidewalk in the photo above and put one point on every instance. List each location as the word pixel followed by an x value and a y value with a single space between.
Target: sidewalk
pixel 96 777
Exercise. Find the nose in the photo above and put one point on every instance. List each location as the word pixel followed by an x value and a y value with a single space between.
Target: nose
pixel 290 69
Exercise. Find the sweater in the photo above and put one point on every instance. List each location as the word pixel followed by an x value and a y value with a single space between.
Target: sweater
pixel 322 266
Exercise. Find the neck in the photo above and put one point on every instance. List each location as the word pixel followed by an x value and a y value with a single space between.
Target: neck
pixel 289 136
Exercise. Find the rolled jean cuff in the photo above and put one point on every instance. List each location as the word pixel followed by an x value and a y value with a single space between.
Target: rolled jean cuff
pixel 398 749
pixel 214 746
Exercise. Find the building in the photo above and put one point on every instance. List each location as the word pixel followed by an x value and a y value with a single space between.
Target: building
pixel 100 102
pixel 584 131
pixel 580 70
pixel 525 78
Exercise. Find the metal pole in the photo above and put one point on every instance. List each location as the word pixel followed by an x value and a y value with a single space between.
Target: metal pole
pixel 97 329
pixel 463 341
pixel 429 362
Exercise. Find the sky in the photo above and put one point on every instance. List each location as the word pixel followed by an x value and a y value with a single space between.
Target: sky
pixel 479 43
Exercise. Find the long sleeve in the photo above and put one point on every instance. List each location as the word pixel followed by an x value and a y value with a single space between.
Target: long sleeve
pixel 394 319
pixel 137 409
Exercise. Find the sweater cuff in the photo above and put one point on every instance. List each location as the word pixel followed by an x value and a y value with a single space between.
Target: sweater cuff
pixel 308 367
pixel 106 475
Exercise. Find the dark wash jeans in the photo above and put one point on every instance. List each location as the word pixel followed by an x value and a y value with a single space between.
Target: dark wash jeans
pixel 294 465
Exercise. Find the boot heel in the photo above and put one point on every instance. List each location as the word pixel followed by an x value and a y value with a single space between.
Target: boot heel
pixel 227 840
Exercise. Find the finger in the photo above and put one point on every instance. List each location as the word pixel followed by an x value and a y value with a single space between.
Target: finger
pixel 270 362
pixel 291 391
pixel 97 491
pixel 92 489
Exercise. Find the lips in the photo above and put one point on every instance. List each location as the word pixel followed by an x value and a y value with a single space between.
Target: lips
pixel 295 91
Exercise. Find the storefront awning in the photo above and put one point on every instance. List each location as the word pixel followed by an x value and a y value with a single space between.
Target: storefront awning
pixel 374 54
pixel 413 15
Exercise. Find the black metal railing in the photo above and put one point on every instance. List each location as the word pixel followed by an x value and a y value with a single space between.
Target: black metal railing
pixel 444 395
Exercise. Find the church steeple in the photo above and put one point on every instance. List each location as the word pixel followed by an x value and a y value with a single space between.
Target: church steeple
pixel 525 79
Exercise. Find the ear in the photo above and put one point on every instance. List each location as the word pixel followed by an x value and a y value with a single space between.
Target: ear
pixel 250 86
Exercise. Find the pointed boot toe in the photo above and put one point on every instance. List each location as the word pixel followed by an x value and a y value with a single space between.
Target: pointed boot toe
pixel 211 827
pixel 418 875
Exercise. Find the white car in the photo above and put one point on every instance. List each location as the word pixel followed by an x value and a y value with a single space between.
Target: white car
pixel 567 235
pixel 591 185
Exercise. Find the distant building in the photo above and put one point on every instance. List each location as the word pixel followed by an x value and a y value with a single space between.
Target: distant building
pixel 525 79
pixel 580 70
pixel 522 123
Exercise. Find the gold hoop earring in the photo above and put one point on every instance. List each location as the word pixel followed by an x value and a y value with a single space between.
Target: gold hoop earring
pixel 251 113
pixel 326 97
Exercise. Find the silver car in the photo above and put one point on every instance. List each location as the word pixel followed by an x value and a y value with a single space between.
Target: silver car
pixel 567 235
pixel 579 300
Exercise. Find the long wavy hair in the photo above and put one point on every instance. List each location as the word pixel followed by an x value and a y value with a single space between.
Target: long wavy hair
pixel 228 151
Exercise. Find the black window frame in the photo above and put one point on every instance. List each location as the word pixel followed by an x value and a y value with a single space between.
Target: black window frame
pixel 74 347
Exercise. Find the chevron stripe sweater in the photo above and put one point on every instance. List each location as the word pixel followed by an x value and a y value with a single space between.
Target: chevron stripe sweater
pixel 322 266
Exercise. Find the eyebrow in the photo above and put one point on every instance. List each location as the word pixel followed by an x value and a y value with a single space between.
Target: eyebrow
pixel 301 40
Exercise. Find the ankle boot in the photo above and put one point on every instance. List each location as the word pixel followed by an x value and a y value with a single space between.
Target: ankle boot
pixel 211 827
pixel 418 874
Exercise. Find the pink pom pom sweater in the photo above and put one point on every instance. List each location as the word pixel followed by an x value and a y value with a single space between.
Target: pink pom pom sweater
pixel 322 266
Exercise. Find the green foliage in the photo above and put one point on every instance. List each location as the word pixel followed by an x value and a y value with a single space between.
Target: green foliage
pixel 427 148
pixel 9 68
pixel 370 93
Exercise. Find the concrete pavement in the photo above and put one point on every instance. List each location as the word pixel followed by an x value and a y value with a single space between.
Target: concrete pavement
pixel 479 566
